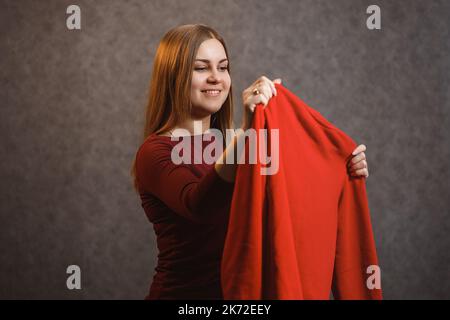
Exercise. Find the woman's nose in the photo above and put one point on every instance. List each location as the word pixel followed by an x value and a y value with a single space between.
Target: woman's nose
pixel 214 76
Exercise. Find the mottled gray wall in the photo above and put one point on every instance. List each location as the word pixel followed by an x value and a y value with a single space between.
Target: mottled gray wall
pixel 72 108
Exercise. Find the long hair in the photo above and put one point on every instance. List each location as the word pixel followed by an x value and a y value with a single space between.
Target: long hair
pixel 169 100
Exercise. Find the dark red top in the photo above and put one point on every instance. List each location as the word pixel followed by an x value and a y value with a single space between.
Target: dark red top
pixel 188 205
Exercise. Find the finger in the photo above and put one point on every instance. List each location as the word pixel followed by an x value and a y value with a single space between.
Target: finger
pixel 261 85
pixel 271 85
pixel 358 157
pixel 276 81
pixel 263 91
pixel 259 82
pixel 360 165
pixel 359 149
pixel 264 100
pixel 273 88
pixel 251 100
pixel 360 172
pixel 266 90
pixel 257 99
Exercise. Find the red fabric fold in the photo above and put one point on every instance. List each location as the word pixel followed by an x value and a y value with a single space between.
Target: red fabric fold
pixel 304 231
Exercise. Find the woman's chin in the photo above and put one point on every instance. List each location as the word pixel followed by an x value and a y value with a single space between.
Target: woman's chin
pixel 205 111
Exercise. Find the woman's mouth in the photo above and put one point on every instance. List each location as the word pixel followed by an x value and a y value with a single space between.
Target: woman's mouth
pixel 211 93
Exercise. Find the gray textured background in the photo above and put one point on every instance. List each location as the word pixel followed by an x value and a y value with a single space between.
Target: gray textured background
pixel 72 108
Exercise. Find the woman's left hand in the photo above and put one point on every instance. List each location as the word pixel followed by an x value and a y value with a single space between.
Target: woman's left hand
pixel 357 166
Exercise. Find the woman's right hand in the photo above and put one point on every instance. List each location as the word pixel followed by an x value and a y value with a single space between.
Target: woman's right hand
pixel 259 92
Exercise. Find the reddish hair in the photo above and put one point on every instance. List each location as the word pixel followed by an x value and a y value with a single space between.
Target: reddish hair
pixel 169 100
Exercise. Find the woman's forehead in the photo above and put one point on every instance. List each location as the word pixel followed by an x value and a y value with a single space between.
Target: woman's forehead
pixel 211 50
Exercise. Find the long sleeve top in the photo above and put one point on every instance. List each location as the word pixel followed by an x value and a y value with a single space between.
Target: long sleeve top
pixel 188 205
pixel 305 230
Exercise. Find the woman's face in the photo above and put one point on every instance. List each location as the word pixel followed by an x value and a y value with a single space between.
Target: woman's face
pixel 210 79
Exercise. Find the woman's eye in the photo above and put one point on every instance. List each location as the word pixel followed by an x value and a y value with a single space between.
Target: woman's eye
pixel 203 68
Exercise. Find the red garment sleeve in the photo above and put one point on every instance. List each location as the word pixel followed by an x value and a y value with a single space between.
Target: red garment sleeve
pixel 355 246
pixel 188 194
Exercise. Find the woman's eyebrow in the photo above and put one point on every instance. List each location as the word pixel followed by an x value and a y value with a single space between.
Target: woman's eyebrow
pixel 206 60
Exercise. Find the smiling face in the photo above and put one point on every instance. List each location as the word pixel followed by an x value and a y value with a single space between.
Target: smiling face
pixel 210 79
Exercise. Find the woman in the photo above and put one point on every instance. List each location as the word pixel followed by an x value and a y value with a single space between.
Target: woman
pixel 188 204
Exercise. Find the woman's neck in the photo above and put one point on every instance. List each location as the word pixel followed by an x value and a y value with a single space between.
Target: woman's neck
pixel 194 126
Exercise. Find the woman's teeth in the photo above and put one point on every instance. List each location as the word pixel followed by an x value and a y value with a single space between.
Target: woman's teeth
pixel 211 92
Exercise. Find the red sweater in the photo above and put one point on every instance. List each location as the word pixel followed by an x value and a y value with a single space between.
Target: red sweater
pixel 188 206
pixel 305 230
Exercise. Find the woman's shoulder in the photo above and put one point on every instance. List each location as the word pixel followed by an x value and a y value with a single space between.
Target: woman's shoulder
pixel 155 145
pixel 157 138
pixel 152 156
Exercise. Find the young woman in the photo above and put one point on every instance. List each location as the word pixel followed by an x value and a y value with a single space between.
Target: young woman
pixel 188 204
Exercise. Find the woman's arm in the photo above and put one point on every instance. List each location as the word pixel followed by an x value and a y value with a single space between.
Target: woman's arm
pixel 227 171
pixel 185 193
pixel 259 92
pixel 357 166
